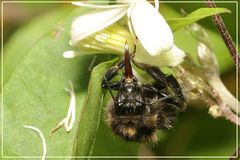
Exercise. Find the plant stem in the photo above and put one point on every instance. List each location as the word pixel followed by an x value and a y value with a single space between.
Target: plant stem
pixel 217 20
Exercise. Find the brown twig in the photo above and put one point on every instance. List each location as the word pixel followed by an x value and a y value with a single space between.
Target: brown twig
pixel 226 111
pixel 217 20
pixel 235 156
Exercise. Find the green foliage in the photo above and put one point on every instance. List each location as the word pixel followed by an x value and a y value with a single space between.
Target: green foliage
pixel 178 23
pixel 34 91
pixel 35 74
pixel 91 112
pixel 22 41
pixel 187 43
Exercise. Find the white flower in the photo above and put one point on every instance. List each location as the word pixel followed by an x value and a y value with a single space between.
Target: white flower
pixel 144 22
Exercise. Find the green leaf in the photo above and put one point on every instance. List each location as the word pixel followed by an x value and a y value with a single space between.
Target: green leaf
pixel 33 94
pixel 178 23
pixel 90 115
pixel 19 44
pixel 188 44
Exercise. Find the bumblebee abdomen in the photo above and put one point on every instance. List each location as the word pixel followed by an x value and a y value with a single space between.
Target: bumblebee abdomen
pixel 140 128
pixel 136 134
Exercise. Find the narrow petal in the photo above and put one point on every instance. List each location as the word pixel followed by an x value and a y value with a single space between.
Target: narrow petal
pixel 156 4
pixel 70 119
pixel 44 145
pixel 151 28
pixel 130 27
pixel 171 58
pixel 88 5
pixel 69 54
pixel 94 21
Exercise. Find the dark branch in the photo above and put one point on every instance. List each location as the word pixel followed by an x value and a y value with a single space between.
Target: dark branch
pixel 217 19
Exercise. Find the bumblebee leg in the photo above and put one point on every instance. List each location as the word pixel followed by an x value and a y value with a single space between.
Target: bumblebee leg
pixel 151 92
pixel 112 85
pixel 155 73
pixel 170 83
pixel 111 73
pixel 173 83
pixel 164 81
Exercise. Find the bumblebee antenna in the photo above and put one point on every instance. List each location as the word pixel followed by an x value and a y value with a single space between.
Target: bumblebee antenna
pixel 128 67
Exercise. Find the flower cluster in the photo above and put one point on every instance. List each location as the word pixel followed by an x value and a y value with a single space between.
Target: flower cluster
pixel 154 36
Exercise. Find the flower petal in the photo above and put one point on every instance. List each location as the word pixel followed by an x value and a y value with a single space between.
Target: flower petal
pixel 69 54
pixel 171 58
pixel 94 21
pixel 156 4
pixel 88 5
pixel 151 28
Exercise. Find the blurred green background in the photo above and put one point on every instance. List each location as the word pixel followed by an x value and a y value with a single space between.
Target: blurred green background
pixel 196 133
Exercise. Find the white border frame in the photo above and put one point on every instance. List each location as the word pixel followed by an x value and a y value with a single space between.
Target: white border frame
pixel 56 2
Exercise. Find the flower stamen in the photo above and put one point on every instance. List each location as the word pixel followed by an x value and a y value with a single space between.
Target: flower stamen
pixel 69 120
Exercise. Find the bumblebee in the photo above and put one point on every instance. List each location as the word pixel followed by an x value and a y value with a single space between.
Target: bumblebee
pixel 140 109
